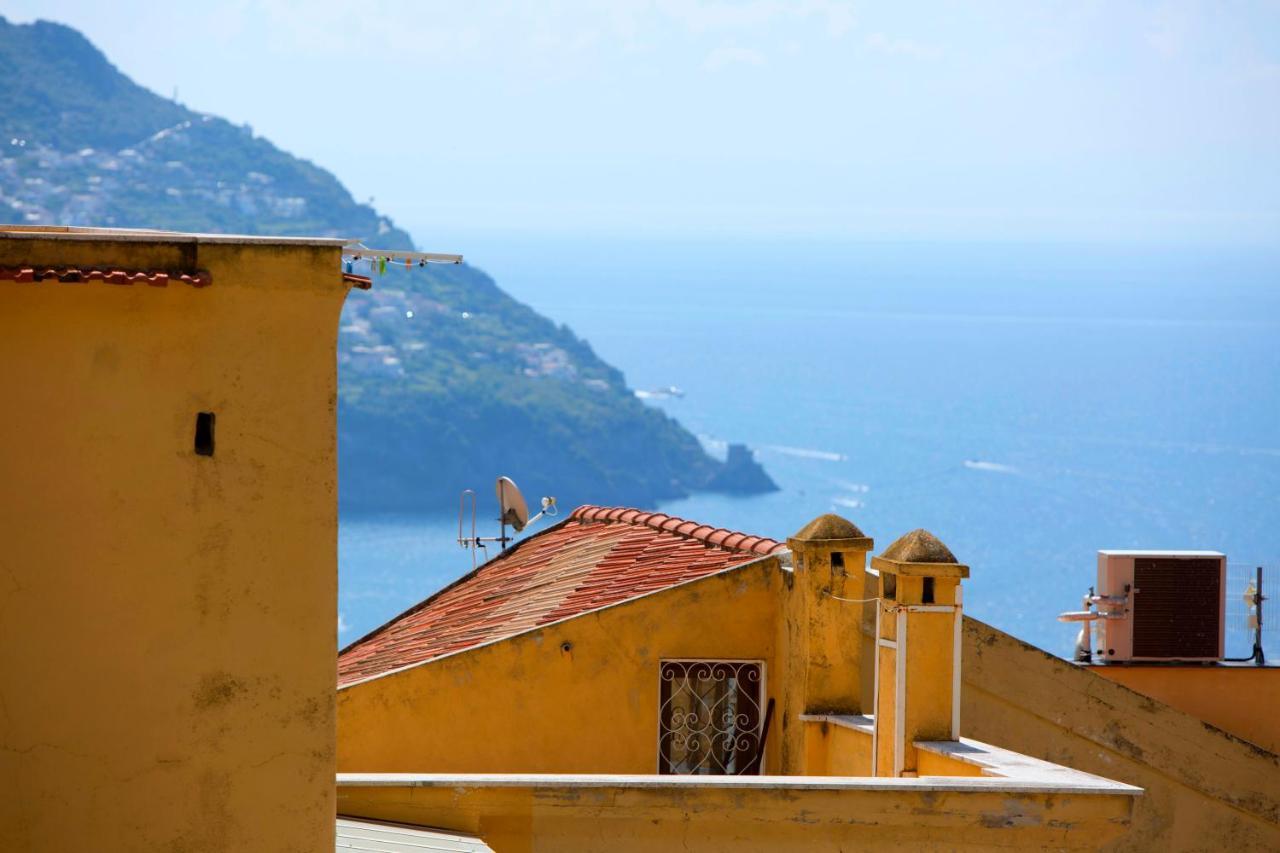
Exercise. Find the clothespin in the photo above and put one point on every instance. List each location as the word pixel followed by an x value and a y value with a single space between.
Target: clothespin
pixel 382 266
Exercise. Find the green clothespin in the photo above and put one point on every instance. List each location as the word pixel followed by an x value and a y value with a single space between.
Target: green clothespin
pixel 382 266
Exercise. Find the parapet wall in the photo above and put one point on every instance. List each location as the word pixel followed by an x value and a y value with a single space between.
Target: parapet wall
pixel 1205 790
pixel 621 814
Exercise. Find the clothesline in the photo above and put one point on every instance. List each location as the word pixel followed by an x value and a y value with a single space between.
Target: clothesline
pixel 379 258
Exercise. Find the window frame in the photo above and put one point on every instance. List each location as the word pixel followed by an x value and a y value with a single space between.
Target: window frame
pixel 763 704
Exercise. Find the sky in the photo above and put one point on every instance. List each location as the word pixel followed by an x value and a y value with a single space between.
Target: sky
pixel 1154 122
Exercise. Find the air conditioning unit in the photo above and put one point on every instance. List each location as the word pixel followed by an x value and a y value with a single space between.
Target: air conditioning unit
pixel 1162 605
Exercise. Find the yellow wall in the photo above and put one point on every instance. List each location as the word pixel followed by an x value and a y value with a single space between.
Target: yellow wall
pixel 932 764
pixel 167 621
pixel 821 659
pixel 1204 790
pixel 526 705
pixel 925 638
pixel 1243 700
pixel 835 750
pixel 520 706
pixel 624 817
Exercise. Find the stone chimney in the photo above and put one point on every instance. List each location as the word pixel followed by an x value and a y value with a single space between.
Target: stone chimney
pixel 917 678
pixel 823 637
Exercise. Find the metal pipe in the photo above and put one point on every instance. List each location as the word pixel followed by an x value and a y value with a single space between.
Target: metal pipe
pixel 1084 640
pixel 474 540
pixel 359 250
pixel 1259 657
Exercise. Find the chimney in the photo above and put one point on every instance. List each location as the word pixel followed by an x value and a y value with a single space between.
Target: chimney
pixel 917 677
pixel 829 556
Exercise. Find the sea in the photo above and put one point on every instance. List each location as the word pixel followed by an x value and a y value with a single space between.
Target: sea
pixel 1029 404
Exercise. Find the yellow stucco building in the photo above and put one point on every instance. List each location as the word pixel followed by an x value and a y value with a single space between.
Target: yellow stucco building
pixel 624 680
pixel 536 703
pixel 628 680
pixel 168 573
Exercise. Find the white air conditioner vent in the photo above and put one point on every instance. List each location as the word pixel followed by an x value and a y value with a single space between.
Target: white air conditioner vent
pixel 1174 605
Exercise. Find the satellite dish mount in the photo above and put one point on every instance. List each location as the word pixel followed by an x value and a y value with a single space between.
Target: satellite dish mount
pixel 512 512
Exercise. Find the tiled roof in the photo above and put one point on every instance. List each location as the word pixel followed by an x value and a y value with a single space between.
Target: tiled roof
pixel 118 276
pixel 110 276
pixel 597 557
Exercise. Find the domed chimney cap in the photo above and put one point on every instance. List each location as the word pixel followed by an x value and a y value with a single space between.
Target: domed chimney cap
pixel 920 553
pixel 831 531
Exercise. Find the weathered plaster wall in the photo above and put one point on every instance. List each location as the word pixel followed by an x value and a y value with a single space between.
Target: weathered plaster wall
pixel 780 814
pixel 833 750
pixel 823 660
pixel 1205 790
pixel 529 704
pixel 1241 699
pixel 167 620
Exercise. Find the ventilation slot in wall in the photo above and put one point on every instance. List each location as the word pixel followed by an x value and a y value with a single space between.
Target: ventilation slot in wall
pixel 204 434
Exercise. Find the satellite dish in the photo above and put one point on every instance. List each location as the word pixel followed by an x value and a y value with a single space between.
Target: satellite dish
pixel 511 504
pixel 515 513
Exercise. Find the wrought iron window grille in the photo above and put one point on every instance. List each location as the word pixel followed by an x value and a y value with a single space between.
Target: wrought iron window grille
pixel 711 717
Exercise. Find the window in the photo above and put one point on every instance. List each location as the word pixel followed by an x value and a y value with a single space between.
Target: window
pixel 710 718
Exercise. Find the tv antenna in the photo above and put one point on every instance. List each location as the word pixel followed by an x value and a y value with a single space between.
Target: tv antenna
pixel 512 512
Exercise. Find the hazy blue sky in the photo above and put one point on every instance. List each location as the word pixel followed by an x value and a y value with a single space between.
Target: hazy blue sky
pixel 1018 120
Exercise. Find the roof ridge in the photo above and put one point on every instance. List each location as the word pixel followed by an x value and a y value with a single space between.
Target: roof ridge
pixel 593 557
pixel 715 537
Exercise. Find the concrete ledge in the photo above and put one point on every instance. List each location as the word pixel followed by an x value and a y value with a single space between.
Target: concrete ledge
pixel 141 235
pixel 857 722
pixel 1010 766
pixel 991 762
pixel 640 813
pixel 1086 784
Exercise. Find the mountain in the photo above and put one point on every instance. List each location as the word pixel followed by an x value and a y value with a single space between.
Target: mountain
pixel 445 380
pixel 82 144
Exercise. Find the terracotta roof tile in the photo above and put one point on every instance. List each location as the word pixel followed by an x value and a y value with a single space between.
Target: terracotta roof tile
pixel 597 557
pixel 75 275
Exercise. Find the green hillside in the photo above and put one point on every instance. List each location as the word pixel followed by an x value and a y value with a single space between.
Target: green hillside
pixel 445 380
pixel 81 144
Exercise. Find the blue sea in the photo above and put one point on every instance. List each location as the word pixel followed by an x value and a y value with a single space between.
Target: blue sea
pixel 1029 404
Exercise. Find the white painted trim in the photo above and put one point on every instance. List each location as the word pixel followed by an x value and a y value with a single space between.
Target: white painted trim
pixel 875 697
pixel 1072 782
pixel 955 668
pixel 888 644
pixel 928 608
pixel 900 697
pixel 142 235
